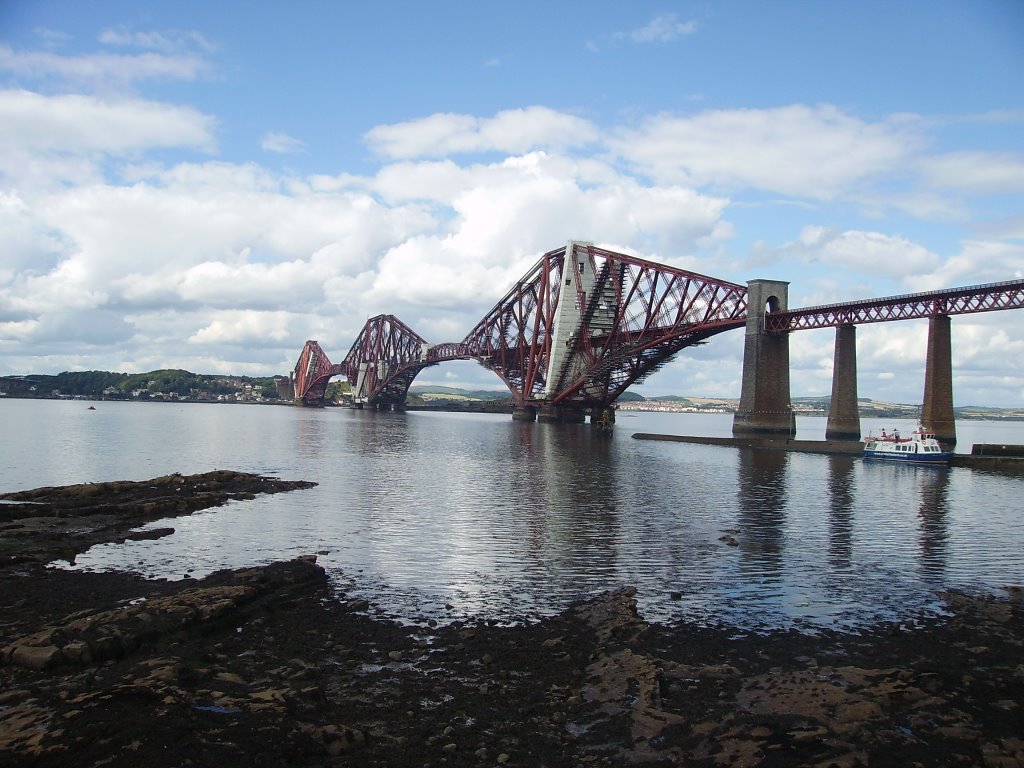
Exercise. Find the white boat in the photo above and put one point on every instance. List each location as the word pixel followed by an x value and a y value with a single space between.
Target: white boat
pixel 920 448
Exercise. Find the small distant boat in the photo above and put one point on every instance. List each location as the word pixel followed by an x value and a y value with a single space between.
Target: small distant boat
pixel 920 448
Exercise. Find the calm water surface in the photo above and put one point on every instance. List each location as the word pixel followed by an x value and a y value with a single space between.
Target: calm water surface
pixel 449 515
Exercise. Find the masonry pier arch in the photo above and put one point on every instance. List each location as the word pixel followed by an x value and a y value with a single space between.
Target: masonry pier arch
pixel 765 409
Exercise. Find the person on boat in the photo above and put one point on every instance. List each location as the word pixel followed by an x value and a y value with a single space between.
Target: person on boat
pixel 884 436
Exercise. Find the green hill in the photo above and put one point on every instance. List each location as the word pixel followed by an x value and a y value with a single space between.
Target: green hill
pixel 170 381
pixel 455 393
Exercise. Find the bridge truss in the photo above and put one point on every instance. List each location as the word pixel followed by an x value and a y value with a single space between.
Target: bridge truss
pixel 384 360
pixel 582 325
pixel 312 373
pixel 585 323
pixel 952 301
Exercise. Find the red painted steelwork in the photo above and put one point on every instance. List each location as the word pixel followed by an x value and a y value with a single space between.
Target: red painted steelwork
pixel 637 316
pixel 652 311
pixel 514 338
pixel 384 359
pixel 953 301
pixel 312 373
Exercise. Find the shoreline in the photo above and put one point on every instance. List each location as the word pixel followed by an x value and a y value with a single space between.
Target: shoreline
pixel 270 665
pixel 988 413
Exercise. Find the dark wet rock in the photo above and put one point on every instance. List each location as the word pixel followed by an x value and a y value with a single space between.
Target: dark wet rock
pixel 149 535
pixel 59 522
pixel 104 635
pixel 267 666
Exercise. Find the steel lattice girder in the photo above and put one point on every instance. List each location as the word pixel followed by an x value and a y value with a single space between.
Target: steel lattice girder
pixel 440 353
pixel 658 310
pixel 954 301
pixel 514 338
pixel 384 359
pixel 312 372
pixel 638 315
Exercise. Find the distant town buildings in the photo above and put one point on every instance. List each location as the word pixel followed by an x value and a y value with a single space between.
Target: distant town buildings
pixel 674 406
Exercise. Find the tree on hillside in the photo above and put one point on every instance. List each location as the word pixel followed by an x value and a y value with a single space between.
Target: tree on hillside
pixel 86 383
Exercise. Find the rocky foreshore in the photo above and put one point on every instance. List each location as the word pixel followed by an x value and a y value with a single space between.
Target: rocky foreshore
pixel 57 523
pixel 270 666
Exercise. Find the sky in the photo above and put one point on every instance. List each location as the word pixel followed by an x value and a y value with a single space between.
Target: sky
pixel 207 185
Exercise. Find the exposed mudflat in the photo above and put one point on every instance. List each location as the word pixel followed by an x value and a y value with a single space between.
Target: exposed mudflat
pixel 268 666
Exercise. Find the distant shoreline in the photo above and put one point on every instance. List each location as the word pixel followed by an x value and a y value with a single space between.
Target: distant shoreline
pixel 869 409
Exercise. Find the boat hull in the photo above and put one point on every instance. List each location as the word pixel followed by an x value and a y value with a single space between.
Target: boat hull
pixel 908 458
pixel 920 448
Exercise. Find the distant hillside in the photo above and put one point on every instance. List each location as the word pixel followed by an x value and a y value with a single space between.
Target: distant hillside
pixel 176 383
pixel 809 406
pixel 627 397
pixel 435 392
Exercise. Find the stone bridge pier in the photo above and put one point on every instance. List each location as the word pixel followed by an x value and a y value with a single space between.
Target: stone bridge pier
pixel 937 404
pixel 937 408
pixel 765 409
pixel 843 414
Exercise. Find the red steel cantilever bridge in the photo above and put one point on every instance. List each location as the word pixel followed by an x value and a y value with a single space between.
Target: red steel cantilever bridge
pixel 573 333
pixel 585 323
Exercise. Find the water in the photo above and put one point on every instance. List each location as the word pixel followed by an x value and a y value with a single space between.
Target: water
pixel 453 515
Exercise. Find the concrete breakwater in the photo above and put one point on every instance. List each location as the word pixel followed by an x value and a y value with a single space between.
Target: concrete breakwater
pixel 1002 457
pixel 844 447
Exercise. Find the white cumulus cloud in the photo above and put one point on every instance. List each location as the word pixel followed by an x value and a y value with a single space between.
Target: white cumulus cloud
pixel 797 150
pixel 282 143
pixel 979 172
pixel 511 131
pixel 102 71
pixel 242 328
pixel 75 123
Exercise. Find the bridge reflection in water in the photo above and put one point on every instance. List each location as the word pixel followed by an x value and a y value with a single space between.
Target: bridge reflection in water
pixel 422 511
pixel 517 516
pixel 841 497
